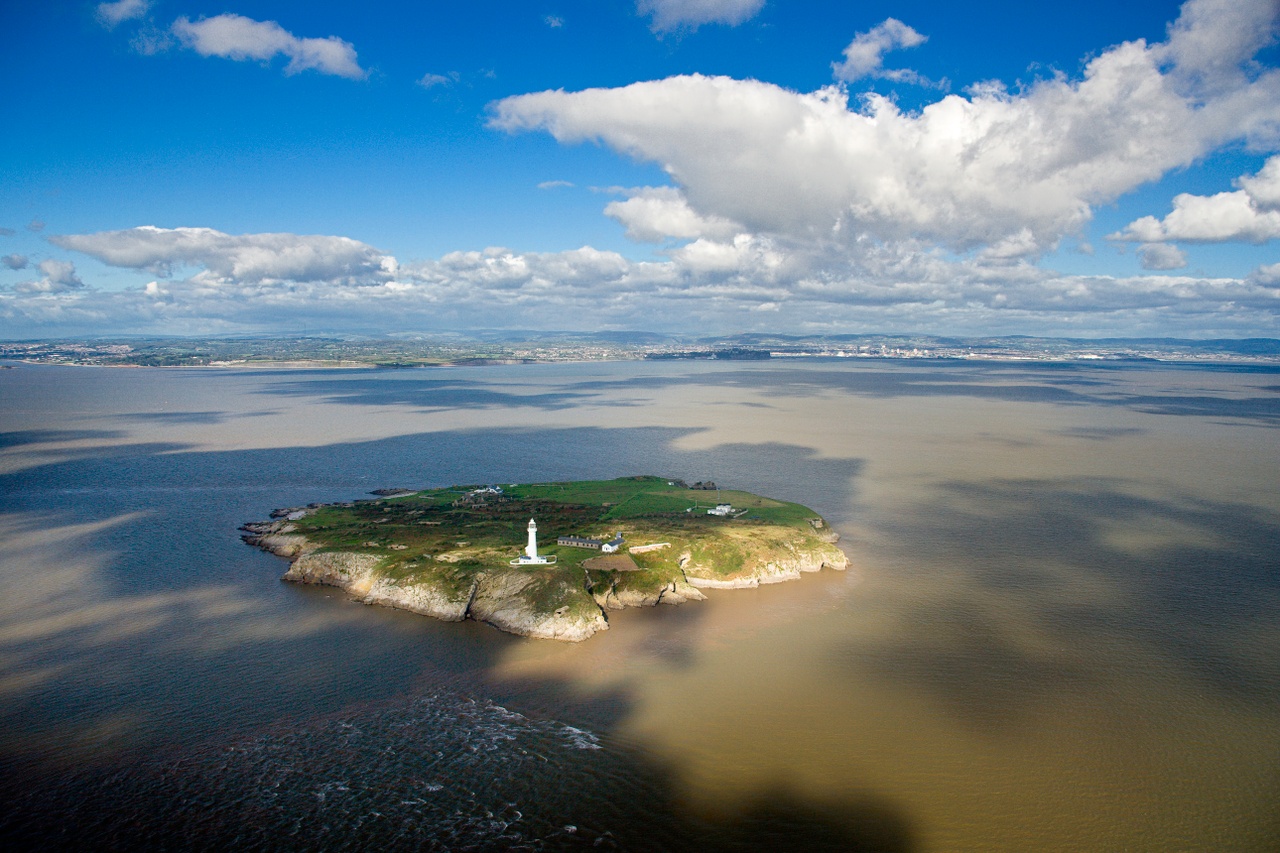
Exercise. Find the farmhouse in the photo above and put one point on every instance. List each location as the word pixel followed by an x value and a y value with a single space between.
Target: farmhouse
pixel 579 542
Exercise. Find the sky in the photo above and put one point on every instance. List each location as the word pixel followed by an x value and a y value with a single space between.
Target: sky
pixel 698 167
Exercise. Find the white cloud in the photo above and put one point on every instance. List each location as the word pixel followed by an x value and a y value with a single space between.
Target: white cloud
pixel 228 258
pixel 429 81
pixel 554 21
pixel 555 185
pixel 1264 186
pixel 652 214
pixel 240 38
pixel 864 57
pixel 1250 214
pixel 1212 41
pixel 671 15
pixel 59 277
pixel 1266 276
pixel 964 172
pixel 15 261
pixel 111 15
pixel 1161 256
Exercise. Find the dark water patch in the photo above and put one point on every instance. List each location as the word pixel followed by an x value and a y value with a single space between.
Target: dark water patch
pixel 15 439
pixel 985 382
pixel 442 772
pixel 207 418
pixel 1045 573
pixel 1100 433
pixel 1263 410
pixel 426 394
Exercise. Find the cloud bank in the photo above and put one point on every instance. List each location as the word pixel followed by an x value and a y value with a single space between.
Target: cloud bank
pixel 262 282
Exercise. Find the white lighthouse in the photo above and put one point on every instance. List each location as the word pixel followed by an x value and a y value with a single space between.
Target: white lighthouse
pixel 531 550
pixel 530 556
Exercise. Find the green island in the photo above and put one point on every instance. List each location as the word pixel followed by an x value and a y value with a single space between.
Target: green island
pixel 474 552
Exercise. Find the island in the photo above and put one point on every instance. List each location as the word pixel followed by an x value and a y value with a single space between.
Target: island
pixel 548 560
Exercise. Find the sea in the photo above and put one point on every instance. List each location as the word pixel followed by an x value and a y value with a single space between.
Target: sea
pixel 1060 628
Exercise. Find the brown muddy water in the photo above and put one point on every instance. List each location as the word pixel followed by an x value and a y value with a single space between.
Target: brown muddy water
pixel 1059 630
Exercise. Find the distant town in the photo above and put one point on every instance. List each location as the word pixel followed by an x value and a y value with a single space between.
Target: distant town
pixel 480 348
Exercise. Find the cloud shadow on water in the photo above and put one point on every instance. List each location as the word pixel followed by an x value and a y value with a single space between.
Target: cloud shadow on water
pixel 1032 579
pixel 148 602
pixel 428 394
pixel 1012 383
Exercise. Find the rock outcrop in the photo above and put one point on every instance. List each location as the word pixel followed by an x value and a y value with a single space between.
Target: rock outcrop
pixel 787 566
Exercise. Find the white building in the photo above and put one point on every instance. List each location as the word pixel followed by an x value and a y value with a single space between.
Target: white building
pixel 721 509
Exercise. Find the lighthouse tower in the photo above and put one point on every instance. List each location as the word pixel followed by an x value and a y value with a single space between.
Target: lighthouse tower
pixel 531 550
pixel 530 556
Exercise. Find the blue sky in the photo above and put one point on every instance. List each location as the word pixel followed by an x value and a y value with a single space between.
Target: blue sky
pixel 707 166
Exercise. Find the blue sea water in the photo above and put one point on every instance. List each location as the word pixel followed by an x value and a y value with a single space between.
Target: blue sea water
pixel 1064 584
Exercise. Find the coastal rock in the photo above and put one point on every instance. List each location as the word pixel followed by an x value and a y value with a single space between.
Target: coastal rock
pixel 784 566
pixel 352 572
pixel 281 544
pixel 420 597
pixel 502 600
pixel 629 597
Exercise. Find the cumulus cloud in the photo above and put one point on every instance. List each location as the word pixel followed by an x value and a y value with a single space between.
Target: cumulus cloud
pixel 965 172
pixel 672 15
pixel 1161 256
pixel 229 258
pixel 1250 214
pixel 1212 41
pixel 1266 276
pixel 59 277
pixel 111 15
pixel 652 214
pixel 864 57
pixel 15 261
pixel 237 37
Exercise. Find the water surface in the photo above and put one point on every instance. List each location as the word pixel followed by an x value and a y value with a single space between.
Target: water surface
pixel 1058 632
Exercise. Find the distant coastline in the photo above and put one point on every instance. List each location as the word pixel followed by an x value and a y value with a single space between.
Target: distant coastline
pixel 510 348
